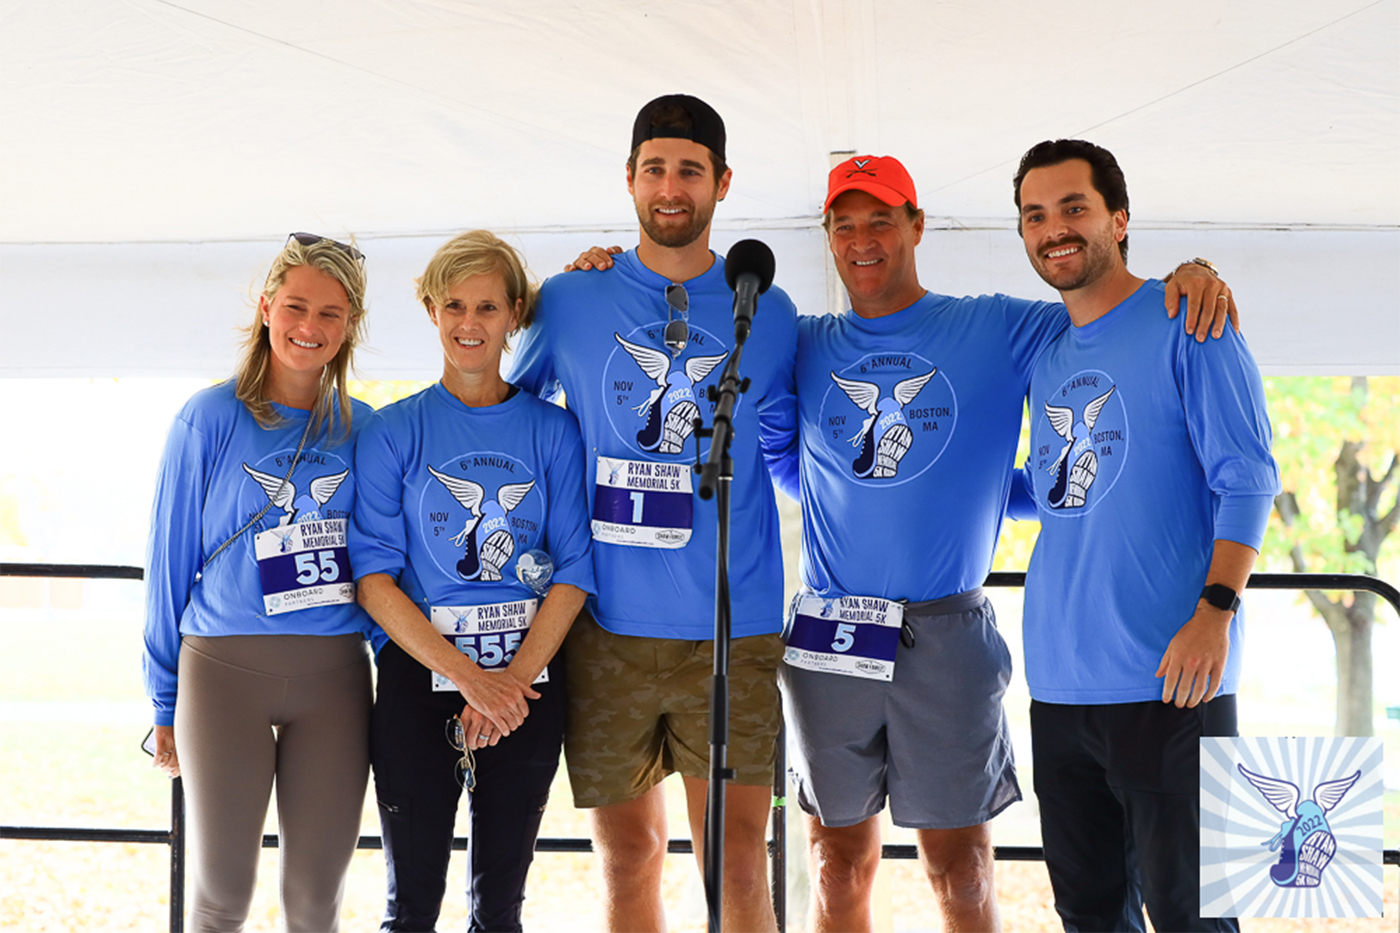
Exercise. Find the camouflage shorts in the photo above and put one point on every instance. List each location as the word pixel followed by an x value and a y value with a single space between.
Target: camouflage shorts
pixel 639 709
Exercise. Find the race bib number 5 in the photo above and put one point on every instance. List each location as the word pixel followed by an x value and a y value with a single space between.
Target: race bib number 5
pixel 639 503
pixel 489 635
pixel 852 635
pixel 304 565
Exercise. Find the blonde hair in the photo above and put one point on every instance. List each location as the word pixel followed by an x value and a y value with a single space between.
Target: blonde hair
pixel 478 252
pixel 255 363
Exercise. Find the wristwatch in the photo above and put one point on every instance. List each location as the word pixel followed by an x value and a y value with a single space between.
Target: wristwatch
pixel 1221 597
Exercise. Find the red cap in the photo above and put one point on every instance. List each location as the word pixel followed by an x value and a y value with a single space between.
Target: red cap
pixel 881 176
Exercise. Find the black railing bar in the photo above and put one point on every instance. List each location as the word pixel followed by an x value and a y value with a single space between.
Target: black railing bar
pixel 1259 581
pixel 1002 853
pixel 459 843
pixel 1267 581
pixel 89 571
pixel 84 834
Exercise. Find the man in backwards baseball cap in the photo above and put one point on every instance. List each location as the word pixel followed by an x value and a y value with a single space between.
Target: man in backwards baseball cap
pixel 634 349
pixel 909 407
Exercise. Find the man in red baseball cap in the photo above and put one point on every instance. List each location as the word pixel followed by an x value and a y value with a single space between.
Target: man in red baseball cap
pixel 909 407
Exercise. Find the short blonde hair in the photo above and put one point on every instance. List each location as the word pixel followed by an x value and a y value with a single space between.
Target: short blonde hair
pixel 255 364
pixel 478 252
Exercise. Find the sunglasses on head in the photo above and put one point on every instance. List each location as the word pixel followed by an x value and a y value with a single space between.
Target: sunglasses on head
pixel 311 239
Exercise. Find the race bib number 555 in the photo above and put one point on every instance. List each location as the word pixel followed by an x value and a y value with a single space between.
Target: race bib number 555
pixel 489 635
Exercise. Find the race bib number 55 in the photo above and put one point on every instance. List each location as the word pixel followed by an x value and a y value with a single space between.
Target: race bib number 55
pixel 304 565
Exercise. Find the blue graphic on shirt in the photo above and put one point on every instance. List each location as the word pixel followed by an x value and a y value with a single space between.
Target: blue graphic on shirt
pixel 895 411
pixel 489 531
pixel 884 436
pixel 670 408
pixel 297 508
pixel 1305 837
pixel 1081 441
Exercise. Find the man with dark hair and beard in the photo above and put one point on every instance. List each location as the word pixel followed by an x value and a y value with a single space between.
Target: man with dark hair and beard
pixel 633 350
pixel 1152 478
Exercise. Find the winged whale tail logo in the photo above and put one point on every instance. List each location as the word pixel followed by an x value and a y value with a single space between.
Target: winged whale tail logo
pixel 1077 466
pixel 297 508
pixel 885 437
pixel 485 538
pixel 1304 841
pixel 670 410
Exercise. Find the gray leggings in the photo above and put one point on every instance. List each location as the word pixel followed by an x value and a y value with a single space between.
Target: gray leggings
pixel 251 707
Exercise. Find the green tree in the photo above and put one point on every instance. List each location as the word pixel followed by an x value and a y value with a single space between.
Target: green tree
pixel 1337 442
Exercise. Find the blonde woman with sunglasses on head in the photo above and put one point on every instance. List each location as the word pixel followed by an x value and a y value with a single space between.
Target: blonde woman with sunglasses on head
pixel 255 647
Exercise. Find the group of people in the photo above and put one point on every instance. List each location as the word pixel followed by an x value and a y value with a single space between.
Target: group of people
pixel 292 525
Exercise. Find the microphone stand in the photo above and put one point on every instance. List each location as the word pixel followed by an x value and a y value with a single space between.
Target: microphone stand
pixel 715 476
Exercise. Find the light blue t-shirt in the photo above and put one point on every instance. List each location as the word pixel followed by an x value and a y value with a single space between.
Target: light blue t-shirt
pixel 219 469
pixel 909 424
pixel 1146 447
pixel 450 496
pixel 597 338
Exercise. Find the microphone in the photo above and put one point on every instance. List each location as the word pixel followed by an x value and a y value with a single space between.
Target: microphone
pixel 748 269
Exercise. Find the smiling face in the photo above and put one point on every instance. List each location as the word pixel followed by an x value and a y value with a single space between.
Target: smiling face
pixel 306 321
pixel 473 323
pixel 1070 235
pixel 675 190
pixel 873 245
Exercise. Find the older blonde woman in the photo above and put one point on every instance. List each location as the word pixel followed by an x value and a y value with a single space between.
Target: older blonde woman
pixel 457 484
pixel 255 647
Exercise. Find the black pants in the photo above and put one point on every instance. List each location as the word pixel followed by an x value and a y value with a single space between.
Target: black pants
pixel 1119 789
pixel 418 796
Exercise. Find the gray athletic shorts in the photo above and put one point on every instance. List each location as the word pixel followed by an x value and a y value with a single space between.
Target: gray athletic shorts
pixel 934 739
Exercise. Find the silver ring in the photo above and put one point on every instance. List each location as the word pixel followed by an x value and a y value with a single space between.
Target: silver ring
pixel 483 737
pixel 1221 298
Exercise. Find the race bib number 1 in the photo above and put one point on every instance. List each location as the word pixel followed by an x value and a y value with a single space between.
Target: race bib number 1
pixel 852 635
pixel 640 503
pixel 489 635
pixel 304 565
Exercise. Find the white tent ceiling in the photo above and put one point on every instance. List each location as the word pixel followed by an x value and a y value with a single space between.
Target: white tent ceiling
pixel 154 153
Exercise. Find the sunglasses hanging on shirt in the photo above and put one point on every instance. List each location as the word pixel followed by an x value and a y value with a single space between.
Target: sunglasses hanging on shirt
pixel 677 333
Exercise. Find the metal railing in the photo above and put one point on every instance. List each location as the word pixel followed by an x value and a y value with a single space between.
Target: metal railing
pixel 777 844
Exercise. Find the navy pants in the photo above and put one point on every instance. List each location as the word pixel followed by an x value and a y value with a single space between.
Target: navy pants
pixel 418 796
pixel 1119 789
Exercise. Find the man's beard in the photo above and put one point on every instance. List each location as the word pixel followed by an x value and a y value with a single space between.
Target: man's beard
pixel 1095 262
pixel 676 236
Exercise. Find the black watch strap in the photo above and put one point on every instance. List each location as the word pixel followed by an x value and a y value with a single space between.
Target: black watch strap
pixel 1221 597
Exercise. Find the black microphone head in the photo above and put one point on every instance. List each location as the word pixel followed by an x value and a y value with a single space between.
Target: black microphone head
pixel 749 257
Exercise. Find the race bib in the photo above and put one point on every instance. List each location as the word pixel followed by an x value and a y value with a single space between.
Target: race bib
pixel 640 503
pixel 489 635
pixel 304 565
pixel 852 635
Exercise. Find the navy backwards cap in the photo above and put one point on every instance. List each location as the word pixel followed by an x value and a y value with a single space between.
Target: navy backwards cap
pixel 707 128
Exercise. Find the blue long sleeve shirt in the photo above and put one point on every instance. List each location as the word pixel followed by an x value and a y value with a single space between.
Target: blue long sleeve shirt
pixel 1146 448
pixel 214 476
